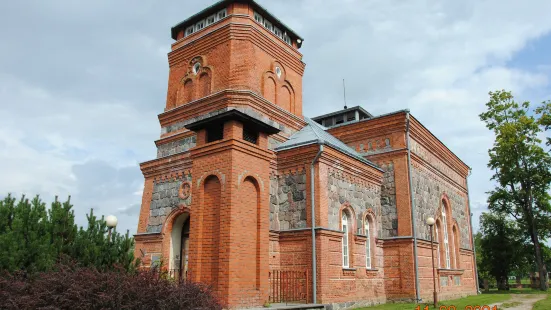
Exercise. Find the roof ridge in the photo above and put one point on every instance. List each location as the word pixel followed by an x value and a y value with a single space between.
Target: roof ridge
pixel 314 125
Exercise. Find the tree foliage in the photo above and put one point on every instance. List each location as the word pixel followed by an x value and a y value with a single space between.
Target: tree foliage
pixel 544 112
pixel 522 169
pixel 502 250
pixel 33 238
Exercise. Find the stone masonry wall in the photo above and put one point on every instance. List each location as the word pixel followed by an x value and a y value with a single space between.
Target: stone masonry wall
pixel 360 196
pixel 164 199
pixel 428 190
pixel 288 201
pixel 389 215
pixel 175 147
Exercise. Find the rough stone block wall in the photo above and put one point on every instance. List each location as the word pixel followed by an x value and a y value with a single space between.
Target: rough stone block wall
pixel 175 147
pixel 164 199
pixel 427 192
pixel 342 189
pixel 288 201
pixel 389 216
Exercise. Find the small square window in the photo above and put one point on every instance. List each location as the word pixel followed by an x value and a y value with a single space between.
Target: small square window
pixel 328 122
pixel 215 132
pixel 200 25
pixel 258 18
pixel 189 30
pixel 339 119
pixel 350 116
pixel 221 14
pixel 287 39
pixel 278 32
pixel 211 19
pixel 155 260
pixel 250 135
pixel 268 25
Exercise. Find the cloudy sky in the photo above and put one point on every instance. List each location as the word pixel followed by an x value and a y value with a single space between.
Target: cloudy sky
pixel 82 82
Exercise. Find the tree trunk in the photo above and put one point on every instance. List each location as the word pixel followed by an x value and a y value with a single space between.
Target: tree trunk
pixel 502 284
pixel 519 281
pixel 537 249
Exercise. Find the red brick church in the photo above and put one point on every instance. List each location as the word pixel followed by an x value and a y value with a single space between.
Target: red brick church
pixel 267 205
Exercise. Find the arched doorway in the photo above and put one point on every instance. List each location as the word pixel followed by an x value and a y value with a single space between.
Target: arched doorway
pixel 179 250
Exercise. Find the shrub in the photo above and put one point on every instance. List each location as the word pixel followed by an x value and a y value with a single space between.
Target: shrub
pixel 73 287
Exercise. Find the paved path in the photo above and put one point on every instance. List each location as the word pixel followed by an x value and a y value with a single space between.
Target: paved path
pixel 526 301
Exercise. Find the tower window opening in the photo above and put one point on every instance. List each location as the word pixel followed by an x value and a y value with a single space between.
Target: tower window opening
pixel 351 116
pixel 221 14
pixel 189 30
pixel 200 25
pixel 339 119
pixel 268 25
pixel 258 18
pixel 215 132
pixel 211 19
pixel 205 22
pixel 250 135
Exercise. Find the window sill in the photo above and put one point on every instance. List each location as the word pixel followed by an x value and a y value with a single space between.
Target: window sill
pixel 444 271
pixel 348 269
pixel 371 269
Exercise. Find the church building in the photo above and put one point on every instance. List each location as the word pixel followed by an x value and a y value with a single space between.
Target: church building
pixel 267 205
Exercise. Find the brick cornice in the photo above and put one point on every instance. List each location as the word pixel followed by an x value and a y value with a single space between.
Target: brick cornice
pixel 423 163
pixel 371 128
pixel 166 165
pixel 387 155
pixel 230 98
pixel 352 166
pixel 228 145
pixel 299 157
pixel 144 237
pixel 174 137
pixel 426 139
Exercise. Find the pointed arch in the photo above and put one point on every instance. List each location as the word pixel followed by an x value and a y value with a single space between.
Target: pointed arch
pixel 370 231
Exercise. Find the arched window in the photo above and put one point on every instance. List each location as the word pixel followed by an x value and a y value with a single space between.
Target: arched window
pixel 455 235
pixel 445 237
pixel 367 244
pixel 345 254
pixel 438 244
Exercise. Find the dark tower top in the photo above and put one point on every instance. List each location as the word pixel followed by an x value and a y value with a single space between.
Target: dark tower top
pixel 345 116
pixel 218 11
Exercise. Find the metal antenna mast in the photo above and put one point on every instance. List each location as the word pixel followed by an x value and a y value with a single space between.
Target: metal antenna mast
pixel 344 89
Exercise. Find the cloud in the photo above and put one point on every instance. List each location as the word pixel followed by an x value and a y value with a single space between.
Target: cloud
pixel 81 83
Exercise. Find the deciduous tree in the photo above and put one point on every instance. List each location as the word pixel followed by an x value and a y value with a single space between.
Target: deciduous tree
pixel 521 169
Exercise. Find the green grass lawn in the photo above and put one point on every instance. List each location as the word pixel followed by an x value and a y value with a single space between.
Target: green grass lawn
pixel 516 291
pixel 482 299
pixel 544 304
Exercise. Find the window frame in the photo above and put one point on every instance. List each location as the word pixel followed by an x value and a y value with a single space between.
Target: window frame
pixel 345 246
pixel 368 262
pixel 445 237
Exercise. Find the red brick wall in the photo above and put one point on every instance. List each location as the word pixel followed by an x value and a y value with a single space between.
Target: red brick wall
pixel 210 238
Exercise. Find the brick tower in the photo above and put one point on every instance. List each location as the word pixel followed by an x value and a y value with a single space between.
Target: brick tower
pixel 234 92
